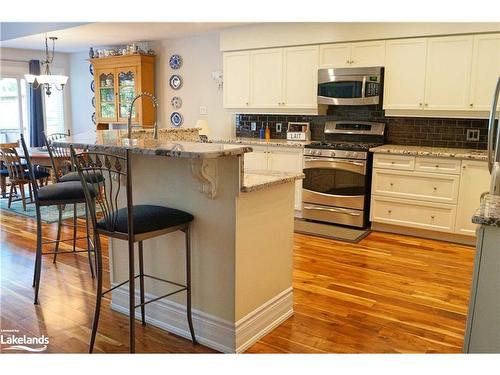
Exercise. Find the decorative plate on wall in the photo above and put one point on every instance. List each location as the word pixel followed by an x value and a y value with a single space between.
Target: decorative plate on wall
pixel 93 118
pixel 176 102
pixel 93 101
pixel 176 119
pixel 91 70
pixel 175 82
pixel 175 61
pixel 92 86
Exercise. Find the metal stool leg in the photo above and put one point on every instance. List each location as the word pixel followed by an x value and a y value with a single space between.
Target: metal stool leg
pixel 87 227
pixel 74 226
pixel 38 261
pixel 59 224
pixel 97 247
pixel 141 282
pixel 188 284
pixel 131 290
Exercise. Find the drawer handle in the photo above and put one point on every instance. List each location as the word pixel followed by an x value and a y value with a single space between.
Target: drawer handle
pixel 389 211
pixel 392 162
pixel 432 217
pixel 435 188
pixel 392 184
pixel 437 165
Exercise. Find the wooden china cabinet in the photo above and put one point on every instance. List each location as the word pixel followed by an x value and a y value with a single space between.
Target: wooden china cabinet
pixel 117 80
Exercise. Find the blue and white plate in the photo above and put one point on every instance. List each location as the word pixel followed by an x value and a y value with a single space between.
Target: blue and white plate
pixel 93 101
pixel 91 70
pixel 176 102
pixel 93 118
pixel 92 86
pixel 175 81
pixel 175 61
pixel 176 119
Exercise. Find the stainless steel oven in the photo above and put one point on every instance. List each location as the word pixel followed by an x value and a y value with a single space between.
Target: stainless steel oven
pixel 349 86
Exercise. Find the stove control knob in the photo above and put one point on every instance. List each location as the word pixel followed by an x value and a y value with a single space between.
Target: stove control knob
pixel 332 154
pixel 348 154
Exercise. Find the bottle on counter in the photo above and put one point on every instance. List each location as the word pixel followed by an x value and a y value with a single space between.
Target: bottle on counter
pixel 261 132
pixel 268 132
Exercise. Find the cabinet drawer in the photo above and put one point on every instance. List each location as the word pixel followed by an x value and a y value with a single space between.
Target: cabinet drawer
pixel 402 162
pixel 439 165
pixel 430 187
pixel 415 214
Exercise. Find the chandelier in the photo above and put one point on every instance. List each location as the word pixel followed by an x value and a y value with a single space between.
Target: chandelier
pixel 47 80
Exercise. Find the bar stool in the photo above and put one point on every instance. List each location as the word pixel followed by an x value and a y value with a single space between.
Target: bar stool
pixel 133 223
pixel 54 195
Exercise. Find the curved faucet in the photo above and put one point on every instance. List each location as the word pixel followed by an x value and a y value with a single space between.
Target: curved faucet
pixel 155 105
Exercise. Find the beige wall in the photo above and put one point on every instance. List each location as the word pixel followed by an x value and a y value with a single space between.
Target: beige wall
pixel 201 56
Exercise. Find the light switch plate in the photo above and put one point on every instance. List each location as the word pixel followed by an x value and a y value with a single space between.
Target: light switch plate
pixel 203 110
pixel 253 126
pixel 278 127
pixel 472 135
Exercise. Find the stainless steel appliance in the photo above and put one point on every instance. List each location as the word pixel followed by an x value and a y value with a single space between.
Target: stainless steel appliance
pixel 349 86
pixel 337 183
pixel 494 144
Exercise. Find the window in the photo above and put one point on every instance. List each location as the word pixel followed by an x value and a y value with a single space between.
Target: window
pixel 13 105
pixel 54 112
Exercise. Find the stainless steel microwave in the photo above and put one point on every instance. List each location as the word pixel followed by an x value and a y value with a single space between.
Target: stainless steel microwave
pixel 350 86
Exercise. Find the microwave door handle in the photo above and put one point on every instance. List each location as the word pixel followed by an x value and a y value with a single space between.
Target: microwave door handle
pixel 337 210
pixel 492 130
pixel 363 88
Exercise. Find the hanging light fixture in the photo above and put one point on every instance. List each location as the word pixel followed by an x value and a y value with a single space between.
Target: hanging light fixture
pixel 47 80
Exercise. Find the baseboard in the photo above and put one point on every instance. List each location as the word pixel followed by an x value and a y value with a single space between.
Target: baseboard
pixel 263 320
pixel 211 331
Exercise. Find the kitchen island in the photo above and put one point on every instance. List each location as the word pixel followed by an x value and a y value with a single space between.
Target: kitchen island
pixel 241 238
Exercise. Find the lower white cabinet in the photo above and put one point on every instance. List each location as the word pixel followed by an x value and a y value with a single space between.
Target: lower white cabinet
pixel 277 159
pixel 439 194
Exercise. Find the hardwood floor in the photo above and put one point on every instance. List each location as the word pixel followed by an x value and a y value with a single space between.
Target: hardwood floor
pixel 387 294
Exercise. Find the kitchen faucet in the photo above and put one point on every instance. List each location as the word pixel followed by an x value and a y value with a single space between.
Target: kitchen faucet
pixel 155 105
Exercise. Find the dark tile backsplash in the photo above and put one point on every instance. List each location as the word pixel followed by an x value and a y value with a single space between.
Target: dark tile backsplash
pixel 418 131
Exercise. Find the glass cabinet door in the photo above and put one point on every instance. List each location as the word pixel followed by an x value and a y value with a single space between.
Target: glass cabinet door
pixel 107 102
pixel 127 79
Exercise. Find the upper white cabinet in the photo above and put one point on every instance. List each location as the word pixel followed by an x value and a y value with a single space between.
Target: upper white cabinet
pixel 361 54
pixel 236 67
pixel 485 71
pixel 266 68
pixel 274 78
pixel 300 77
pixel 447 80
pixel 404 84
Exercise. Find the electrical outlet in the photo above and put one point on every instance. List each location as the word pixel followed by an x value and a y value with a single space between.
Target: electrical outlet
pixel 472 135
pixel 278 127
pixel 253 126
pixel 203 110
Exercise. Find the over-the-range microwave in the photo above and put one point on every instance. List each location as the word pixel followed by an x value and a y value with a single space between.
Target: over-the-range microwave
pixel 349 86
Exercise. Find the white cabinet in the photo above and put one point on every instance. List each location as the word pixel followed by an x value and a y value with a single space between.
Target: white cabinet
pixel 361 54
pixel 485 71
pixel 404 83
pixel 236 67
pixel 300 77
pixel 266 67
pixel 277 159
pixel 447 79
pixel 474 181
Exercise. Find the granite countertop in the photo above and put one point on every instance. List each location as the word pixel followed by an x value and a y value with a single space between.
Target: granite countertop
pixel 488 212
pixel 110 141
pixel 257 179
pixel 262 142
pixel 444 152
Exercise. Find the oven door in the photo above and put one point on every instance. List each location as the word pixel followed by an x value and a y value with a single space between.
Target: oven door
pixel 348 89
pixel 335 182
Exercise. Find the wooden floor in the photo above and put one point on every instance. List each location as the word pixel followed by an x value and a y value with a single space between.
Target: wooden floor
pixel 387 294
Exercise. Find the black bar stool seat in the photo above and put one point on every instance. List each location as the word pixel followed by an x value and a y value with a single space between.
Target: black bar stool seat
pixel 95 177
pixel 63 193
pixel 147 218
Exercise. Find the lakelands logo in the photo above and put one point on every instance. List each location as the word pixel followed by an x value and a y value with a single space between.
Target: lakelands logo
pixel 11 340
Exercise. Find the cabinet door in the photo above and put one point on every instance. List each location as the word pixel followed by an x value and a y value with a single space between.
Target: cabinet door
pixel 127 89
pixel 368 54
pixel 448 69
pixel 288 161
pixel 485 71
pixel 256 160
pixel 236 67
pixel 106 95
pixel 300 77
pixel 404 82
pixel 266 71
pixel 474 181
pixel 335 55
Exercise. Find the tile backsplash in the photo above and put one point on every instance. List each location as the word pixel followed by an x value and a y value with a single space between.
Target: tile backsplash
pixel 418 131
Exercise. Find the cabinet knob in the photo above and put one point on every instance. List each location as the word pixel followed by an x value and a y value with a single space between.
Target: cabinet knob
pixel 432 217
pixel 347 62
pixel 426 104
pixel 464 166
pixel 435 188
pixel 246 103
pixel 471 105
pixel 392 162
pixel 352 61
pixel 420 104
pixel 389 211
pixel 391 183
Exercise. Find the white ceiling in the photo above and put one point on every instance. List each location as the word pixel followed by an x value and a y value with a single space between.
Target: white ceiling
pixel 82 37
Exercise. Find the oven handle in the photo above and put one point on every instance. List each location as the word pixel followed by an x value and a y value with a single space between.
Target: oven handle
pixel 358 163
pixel 337 210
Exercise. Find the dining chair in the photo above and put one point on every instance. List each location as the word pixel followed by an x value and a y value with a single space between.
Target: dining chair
pixel 131 223
pixel 57 194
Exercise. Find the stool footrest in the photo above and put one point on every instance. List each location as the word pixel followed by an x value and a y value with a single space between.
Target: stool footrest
pixel 165 281
pixel 157 298
pixel 64 240
pixel 65 252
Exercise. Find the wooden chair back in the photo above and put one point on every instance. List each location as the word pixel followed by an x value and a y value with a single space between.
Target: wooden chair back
pixel 13 163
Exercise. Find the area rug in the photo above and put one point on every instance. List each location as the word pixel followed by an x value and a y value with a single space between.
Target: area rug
pixel 50 214
pixel 334 232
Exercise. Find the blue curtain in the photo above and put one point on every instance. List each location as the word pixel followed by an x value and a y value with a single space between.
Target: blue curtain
pixel 36 108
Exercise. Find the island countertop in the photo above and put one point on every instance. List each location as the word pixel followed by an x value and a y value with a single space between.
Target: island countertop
pixel 488 212
pixel 257 179
pixel 110 141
